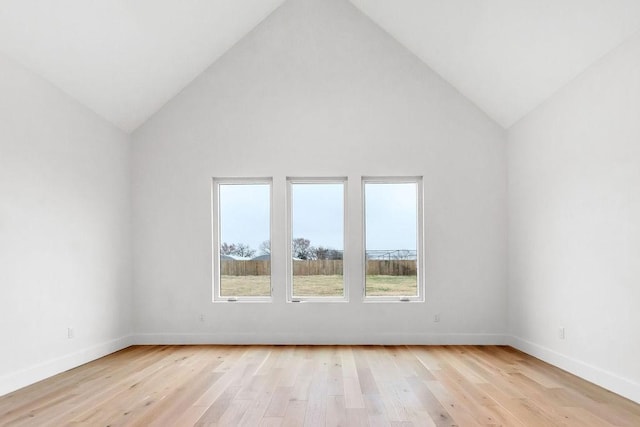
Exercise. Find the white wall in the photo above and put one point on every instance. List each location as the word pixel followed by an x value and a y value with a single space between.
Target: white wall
pixel 574 234
pixel 319 90
pixel 64 231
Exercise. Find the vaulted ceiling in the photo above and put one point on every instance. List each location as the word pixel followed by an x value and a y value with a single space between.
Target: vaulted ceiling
pixel 507 56
pixel 124 59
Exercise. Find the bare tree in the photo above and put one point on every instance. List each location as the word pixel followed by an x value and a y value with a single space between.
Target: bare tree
pixel 244 251
pixel 227 249
pixel 335 254
pixel 321 252
pixel 265 247
pixel 237 249
pixel 301 248
pixel 326 253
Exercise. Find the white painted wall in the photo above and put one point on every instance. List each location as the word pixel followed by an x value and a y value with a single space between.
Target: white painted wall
pixel 574 234
pixel 64 231
pixel 319 90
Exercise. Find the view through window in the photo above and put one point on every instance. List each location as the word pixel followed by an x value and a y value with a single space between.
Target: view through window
pixel 244 239
pixel 317 238
pixel 391 236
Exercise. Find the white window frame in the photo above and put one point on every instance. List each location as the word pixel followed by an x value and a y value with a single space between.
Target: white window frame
pixel 419 238
pixel 215 227
pixel 289 280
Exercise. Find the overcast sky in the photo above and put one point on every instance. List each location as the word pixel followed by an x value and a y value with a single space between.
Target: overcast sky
pixel 318 215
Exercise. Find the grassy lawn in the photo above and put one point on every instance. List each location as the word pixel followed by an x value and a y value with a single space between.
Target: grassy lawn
pixel 378 286
pixel 318 285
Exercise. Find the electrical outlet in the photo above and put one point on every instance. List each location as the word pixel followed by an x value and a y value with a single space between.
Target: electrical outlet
pixel 436 318
pixel 70 333
pixel 202 317
pixel 561 333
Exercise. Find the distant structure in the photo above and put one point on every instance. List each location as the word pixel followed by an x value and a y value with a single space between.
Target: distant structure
pixel 390 254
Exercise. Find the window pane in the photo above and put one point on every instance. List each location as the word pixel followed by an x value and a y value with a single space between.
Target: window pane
pixel 391 212
pixel 245 259
pixel 317 244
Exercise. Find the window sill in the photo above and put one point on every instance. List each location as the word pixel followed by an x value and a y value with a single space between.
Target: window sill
pixel 242 300
pixel 403 300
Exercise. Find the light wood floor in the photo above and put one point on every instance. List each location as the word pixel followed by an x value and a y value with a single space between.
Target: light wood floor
pixel 316 386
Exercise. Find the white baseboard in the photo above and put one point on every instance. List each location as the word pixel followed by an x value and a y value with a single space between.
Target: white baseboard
pixel 594 374
pixel 41 371
pixel 284 339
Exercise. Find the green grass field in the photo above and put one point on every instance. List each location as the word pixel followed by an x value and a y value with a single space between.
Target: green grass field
pixel 318 285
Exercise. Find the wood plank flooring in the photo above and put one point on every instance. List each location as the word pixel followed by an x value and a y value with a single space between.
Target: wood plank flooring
pixel 316 386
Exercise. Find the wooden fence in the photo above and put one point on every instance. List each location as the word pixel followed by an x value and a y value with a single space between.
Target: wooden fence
pixel 245 268
pixel 317 267
pixel 393 267
pixel 320 267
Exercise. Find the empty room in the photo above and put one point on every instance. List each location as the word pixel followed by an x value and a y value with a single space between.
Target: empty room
pixel 320 213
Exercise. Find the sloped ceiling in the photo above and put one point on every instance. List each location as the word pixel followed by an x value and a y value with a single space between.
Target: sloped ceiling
pixel 124 59
pixel 507 56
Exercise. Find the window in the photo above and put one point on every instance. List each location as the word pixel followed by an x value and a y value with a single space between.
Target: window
pixel 316 239
pixel 241 239
pixel 393 239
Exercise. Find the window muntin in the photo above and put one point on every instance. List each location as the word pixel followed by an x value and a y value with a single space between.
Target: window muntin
pixel 392 235
pixel 242 232
pixel 316 239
